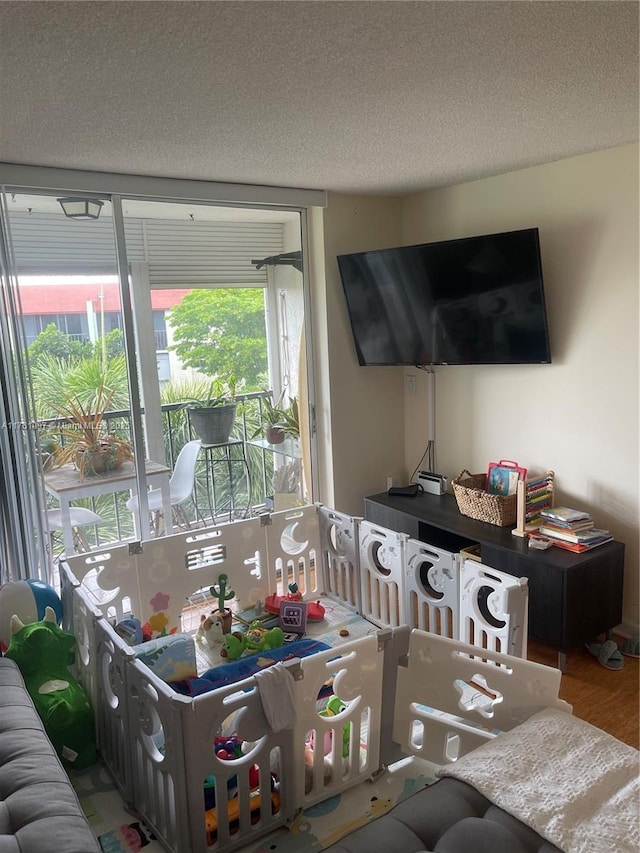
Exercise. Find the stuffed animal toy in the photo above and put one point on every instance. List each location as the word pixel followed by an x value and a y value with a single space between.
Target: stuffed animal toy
pixel 256 639
pixel 210 629
pixel 28 600
pixel 43 652
pixel 233 646
pixel 327 769
pixel 335 706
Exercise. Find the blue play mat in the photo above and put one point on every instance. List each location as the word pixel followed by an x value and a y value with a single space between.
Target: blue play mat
pixel 229 673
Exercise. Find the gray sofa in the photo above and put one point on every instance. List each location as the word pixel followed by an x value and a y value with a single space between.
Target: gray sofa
pixel 553 776
pixel 448 817
pixel 39 809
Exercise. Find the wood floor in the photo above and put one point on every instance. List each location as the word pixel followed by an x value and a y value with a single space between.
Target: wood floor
pixel 606 698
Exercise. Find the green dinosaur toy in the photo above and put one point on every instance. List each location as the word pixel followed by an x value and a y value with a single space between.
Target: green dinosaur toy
pixel 43 652
pixel 256 639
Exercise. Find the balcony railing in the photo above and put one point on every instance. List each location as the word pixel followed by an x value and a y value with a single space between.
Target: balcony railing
pixel 230 482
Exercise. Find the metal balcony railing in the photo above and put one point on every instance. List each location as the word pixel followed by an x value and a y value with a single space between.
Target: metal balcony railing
pixel 231 481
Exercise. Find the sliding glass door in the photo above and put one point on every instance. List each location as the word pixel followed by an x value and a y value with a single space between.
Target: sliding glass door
pixel 125 323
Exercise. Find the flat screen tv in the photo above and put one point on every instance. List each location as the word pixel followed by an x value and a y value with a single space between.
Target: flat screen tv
pixel 477 300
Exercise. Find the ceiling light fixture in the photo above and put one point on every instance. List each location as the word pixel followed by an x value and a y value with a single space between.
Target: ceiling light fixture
pixel 81 208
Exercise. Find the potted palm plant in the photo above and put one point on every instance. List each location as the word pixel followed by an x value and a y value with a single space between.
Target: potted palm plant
pixel 213 415
pixel 87 443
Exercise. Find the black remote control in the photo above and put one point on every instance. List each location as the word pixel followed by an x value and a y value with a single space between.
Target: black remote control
pixel 409 491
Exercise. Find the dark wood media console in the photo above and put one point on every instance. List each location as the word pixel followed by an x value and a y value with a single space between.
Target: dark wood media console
pixel 572 597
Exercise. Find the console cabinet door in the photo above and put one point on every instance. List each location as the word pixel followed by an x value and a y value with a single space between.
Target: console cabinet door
pixel 546 592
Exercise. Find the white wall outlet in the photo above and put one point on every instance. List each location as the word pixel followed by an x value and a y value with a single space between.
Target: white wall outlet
pixel 411 385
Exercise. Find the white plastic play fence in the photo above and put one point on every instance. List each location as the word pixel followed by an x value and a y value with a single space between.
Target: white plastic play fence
pixel 407 582
pixel 159 744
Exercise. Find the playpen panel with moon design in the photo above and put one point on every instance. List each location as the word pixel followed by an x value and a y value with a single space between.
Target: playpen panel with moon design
pixel 159 745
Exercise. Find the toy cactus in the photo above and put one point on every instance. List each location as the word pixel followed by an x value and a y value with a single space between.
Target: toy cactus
pixel 220 592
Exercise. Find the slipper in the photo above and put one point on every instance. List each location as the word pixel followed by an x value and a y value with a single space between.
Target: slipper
pixel 606 653
pixel 631 647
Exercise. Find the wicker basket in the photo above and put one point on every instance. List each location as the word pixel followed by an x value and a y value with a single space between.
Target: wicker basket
pixel 474 502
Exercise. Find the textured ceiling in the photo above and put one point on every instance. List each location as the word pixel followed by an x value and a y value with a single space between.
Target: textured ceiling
pixel 375 97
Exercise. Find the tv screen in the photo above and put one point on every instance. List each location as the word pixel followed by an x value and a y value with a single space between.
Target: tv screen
pixel 477 300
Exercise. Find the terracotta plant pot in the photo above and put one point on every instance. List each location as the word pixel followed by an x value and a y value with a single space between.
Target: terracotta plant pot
pixel 274 435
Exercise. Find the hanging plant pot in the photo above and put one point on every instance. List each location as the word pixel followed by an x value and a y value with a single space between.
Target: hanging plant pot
pixel 213 425
pixel 274 435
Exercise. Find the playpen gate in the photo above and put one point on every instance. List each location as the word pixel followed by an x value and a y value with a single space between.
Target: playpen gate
pixel 339 541
pixel 381 554
pixel 432 589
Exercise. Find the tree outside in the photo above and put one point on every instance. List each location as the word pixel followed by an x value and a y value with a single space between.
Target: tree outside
pixel 233 343
pixel 52 342
pixel 222 332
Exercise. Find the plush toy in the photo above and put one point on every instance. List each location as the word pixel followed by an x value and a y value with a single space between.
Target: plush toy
pixel 335 706
pixel 327 769
pixel 28 600
pixel 210 630
pixel 43 652
pixel 256 639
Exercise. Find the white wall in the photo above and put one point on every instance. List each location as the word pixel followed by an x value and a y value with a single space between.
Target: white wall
pixel 577 416
pixel 364 425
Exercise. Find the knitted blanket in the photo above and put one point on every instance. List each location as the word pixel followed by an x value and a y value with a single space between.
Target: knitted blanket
pixel 574 784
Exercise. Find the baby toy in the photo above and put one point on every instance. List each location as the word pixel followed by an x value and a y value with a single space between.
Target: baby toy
pixel 28 600
pixel 327 768
pixel 315 611
pixel 228 749
pixel 43 652
pixel 130 629
pixel 335 706
pixel 210 630
pixel 233 811
pixel 220 592
pixel 256 639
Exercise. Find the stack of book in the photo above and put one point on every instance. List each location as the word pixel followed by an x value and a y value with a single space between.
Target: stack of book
pixel 572 529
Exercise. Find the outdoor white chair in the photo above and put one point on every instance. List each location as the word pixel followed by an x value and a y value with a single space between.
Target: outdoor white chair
pixel 80 517
pixel 180 487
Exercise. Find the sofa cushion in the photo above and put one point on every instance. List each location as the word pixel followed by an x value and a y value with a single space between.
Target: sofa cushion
pixel 447 817
pixel 39 810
